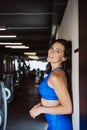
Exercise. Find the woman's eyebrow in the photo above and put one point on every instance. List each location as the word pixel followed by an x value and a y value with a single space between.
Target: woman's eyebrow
pixel 59 49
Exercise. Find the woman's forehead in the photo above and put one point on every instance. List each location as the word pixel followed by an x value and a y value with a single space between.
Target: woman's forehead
pixel 59 46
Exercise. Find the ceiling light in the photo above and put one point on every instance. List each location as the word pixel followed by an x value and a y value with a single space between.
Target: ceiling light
pixel 53 30
pixel 2 28
pixel 7 36
pixel 10 43
pixel 17 47
pixel 34 57
pixel 30 53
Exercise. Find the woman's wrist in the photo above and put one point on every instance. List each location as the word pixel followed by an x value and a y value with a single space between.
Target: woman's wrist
pixel 42 109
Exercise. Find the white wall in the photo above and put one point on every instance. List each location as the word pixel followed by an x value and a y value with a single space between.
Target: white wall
pixel 69 30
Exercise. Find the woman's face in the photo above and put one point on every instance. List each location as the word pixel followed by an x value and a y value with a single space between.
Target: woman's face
pixel 56 53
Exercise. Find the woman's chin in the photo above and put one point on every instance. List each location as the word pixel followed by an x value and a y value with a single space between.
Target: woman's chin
pixel 48 60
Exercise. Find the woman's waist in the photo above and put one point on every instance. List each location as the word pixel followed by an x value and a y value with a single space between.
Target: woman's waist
pixel 50 117
pixel 49 103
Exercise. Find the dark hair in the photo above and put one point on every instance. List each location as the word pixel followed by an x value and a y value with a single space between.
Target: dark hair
pixel 66 65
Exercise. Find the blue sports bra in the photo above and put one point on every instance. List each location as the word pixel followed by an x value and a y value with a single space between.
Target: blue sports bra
pixel 46 91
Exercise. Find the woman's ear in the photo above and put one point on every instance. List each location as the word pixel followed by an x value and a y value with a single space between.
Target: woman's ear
pixel 64 58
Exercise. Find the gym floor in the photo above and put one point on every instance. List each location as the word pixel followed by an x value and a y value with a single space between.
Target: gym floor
pixel 18 110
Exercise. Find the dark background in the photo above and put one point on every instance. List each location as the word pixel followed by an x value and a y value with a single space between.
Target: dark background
pixel 83 63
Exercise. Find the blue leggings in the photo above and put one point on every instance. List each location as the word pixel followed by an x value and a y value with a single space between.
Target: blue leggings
pixel 58 122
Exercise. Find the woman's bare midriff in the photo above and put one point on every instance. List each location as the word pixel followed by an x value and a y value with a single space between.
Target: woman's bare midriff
pixel 49 103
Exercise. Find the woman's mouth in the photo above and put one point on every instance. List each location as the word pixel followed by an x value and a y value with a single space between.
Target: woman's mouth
pixel 50 57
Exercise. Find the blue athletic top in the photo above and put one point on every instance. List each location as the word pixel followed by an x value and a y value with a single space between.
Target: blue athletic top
pixel 46 91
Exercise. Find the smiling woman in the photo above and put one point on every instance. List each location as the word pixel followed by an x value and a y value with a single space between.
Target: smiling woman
pixel 56 102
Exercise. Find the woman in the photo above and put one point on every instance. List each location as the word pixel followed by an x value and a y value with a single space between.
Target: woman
pixel 55 98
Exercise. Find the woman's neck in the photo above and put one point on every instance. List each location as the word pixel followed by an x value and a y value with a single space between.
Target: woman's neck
pixel 56 66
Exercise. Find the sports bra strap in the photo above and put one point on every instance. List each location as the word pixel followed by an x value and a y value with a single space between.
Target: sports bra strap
pixel 56 69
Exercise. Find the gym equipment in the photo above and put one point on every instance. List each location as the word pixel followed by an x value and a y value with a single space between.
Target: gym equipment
pixel 8 81
pixel 4 96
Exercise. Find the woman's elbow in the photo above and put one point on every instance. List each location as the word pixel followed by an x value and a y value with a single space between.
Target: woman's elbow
pixel 69 110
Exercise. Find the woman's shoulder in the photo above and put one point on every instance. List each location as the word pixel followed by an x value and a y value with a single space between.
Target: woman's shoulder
pixel 57 78
pixel 57 74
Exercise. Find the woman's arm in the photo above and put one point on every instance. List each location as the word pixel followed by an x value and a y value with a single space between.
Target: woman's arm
pixel 35 111
pixel 58 81
pixel 37 105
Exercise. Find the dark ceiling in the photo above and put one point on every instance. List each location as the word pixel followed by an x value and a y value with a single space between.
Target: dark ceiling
pixel 33 21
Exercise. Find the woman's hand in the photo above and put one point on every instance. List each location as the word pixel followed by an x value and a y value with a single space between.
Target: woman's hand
pixel 35 111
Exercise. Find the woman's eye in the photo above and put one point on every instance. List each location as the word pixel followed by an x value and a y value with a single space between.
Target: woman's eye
pixel 58 51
